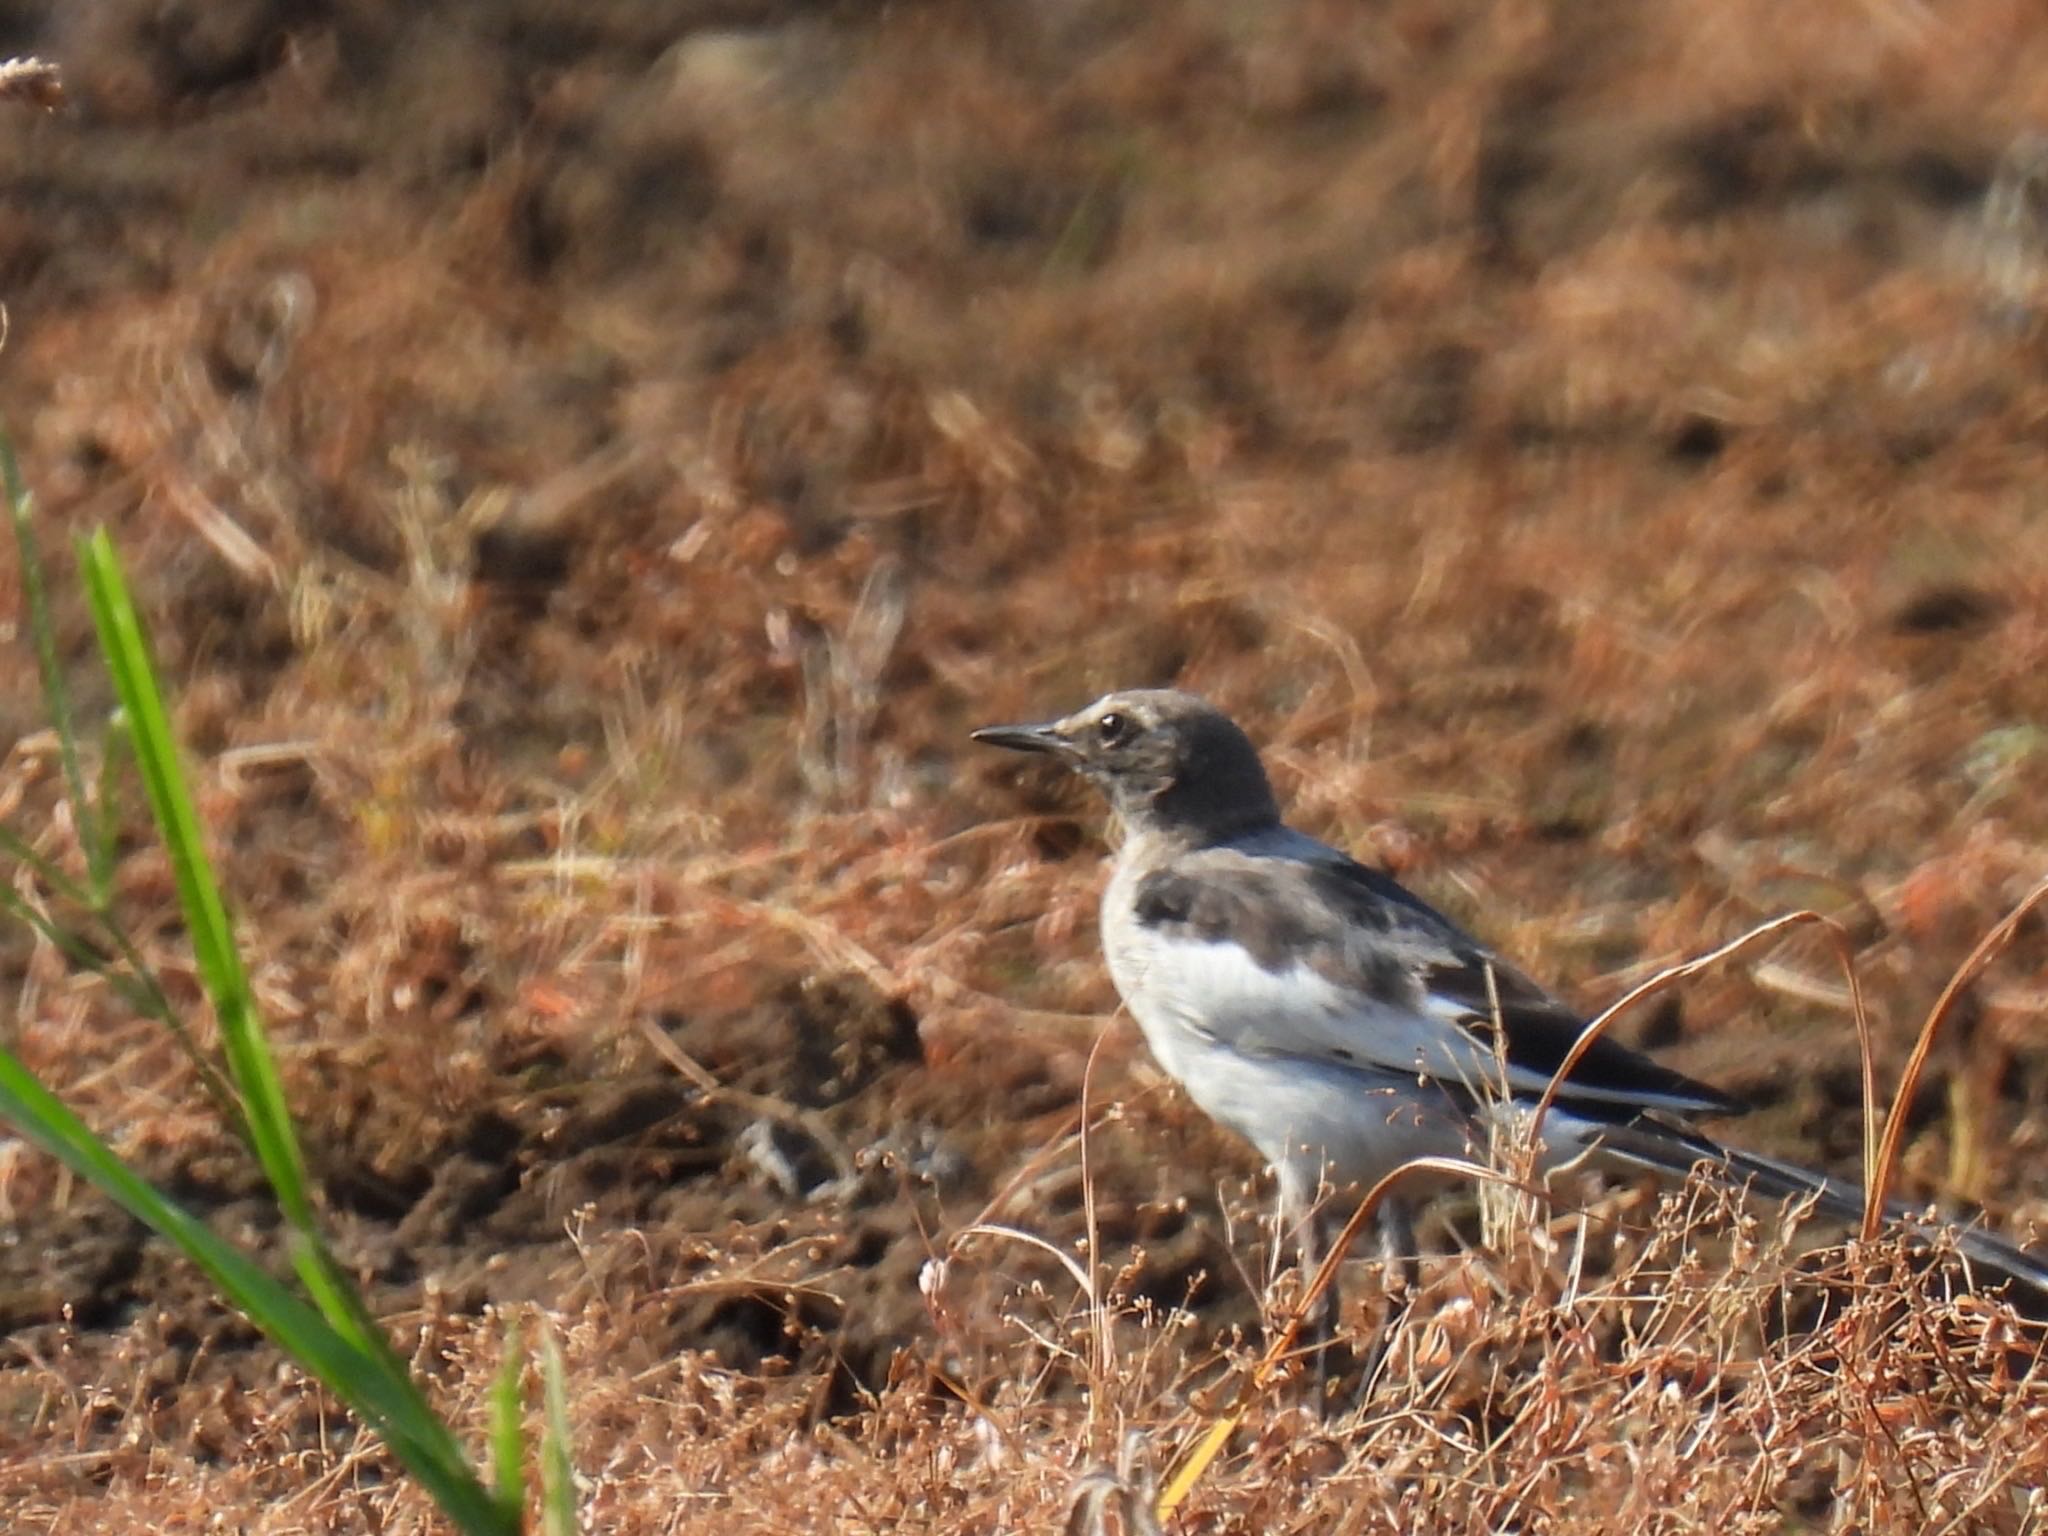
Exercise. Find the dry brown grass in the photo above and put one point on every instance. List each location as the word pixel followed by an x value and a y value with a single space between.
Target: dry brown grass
pixel 585 502
pixel 1590 1377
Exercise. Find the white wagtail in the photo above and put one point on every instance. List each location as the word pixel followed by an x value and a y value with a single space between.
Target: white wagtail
pixel 1335 1020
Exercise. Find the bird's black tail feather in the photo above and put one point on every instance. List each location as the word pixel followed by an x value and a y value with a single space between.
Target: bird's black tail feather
pixel 1992 1261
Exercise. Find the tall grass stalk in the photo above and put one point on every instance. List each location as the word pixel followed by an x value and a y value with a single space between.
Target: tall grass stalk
pixel 324 1325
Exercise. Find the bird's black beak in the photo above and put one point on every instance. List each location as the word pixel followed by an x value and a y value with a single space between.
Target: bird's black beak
pixel 1023 738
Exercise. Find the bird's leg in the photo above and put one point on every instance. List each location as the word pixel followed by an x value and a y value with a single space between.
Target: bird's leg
pixel 1301 1216
pixel 1394 1238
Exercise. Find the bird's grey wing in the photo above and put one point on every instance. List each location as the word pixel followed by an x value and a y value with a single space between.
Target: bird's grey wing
pixel 1472 987
pixel 1322 957
pixel 1465 983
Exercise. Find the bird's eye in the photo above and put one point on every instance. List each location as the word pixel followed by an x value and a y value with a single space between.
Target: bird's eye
pixel 1112 728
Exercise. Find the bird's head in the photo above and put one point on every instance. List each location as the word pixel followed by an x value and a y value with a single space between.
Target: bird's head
pixel 1168 761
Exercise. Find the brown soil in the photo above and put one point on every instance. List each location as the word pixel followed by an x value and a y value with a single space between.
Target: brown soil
pixel 588 465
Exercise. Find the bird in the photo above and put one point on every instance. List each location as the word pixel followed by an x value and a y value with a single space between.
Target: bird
pixel 1340 1024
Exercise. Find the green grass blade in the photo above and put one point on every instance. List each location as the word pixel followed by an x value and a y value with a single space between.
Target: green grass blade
pixel 137 987
pixel 116 750
pixel 253 1068
pixel 342 1306
pixel 139 990
pixel 508 1442
pixel 71 944
pixel 250 1063
pixel 391 1406
pixel 557 1478
pixel 22 851
pixel 330 1331
pixel 56 697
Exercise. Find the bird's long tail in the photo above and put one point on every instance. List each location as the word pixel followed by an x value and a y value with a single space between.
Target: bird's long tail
pixel 1669 1150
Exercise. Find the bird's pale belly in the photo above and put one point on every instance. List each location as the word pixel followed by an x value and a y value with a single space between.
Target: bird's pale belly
pixel 1338 1123
pixel 1351 1123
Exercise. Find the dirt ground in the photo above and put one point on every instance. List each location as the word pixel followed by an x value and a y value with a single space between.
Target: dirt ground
pixel 589 465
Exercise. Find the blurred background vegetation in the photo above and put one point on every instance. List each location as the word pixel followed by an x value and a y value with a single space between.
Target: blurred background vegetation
pixel 586 466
